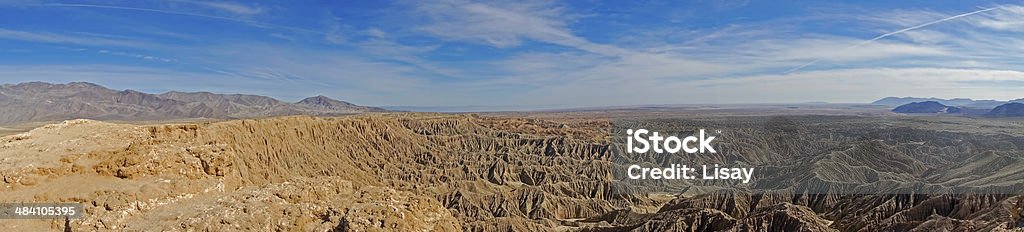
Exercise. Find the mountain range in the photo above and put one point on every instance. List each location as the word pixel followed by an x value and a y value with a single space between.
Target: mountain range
pixel 40 101
pixel 959 102
pixel 1012 109
pixel 926 107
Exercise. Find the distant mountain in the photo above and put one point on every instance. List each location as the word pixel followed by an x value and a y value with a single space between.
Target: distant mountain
pixel 929 107
pixel 896 101
pixel 960 102
pixel 40 101
pixel 325 103
pixel 1013 109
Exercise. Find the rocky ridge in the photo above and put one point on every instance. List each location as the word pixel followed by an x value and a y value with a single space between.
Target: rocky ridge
pixel 1007 110
pixel 40 101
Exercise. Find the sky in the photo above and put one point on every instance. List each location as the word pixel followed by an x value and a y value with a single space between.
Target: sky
pixel 526 54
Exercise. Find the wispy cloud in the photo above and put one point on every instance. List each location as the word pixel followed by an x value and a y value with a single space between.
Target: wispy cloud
pixel 234 8
pixel 80 39
pixel 462 52
pixel 119 77
pixel 857 85
pixel 506 25
pixel 1007 18
pixel 136 55
pixel 183 13
pixel 930 61
pixel 903 30
pixel 882 36
pixel 493 25
pixel 154 11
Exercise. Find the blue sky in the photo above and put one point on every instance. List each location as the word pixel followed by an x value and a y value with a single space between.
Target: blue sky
pixel 533 53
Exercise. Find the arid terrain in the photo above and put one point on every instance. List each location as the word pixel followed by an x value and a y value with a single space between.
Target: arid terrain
pixel 552 171
pixel 509 116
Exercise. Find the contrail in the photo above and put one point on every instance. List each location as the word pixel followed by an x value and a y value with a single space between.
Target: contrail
pixel 897 32
pixel 250 22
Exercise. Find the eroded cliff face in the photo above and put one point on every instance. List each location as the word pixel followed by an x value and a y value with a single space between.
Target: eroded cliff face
pixel 409 172
pixel 484 174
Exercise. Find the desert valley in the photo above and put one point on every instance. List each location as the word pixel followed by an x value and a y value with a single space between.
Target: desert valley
pixel 822 167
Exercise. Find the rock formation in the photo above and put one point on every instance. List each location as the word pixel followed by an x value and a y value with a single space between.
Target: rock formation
pixel 423 172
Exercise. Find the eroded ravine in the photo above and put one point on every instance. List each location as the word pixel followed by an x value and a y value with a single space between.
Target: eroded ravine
pixel 413 172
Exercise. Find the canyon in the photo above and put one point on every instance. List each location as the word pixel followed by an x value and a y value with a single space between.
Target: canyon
pixel 513 172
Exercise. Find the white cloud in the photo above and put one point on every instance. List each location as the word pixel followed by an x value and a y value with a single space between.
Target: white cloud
pixel 834 49
pixel 901 31
pixel 242 20
pixel 1005 18
pixel 740 63
pixel 500 26
pixel 138 56
pixel 377 33
pixel 868 84
pixel 944 60
pixel 838 85
pixel 234 8
pixel 45 37
pixel 128 77
pixel 506 25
